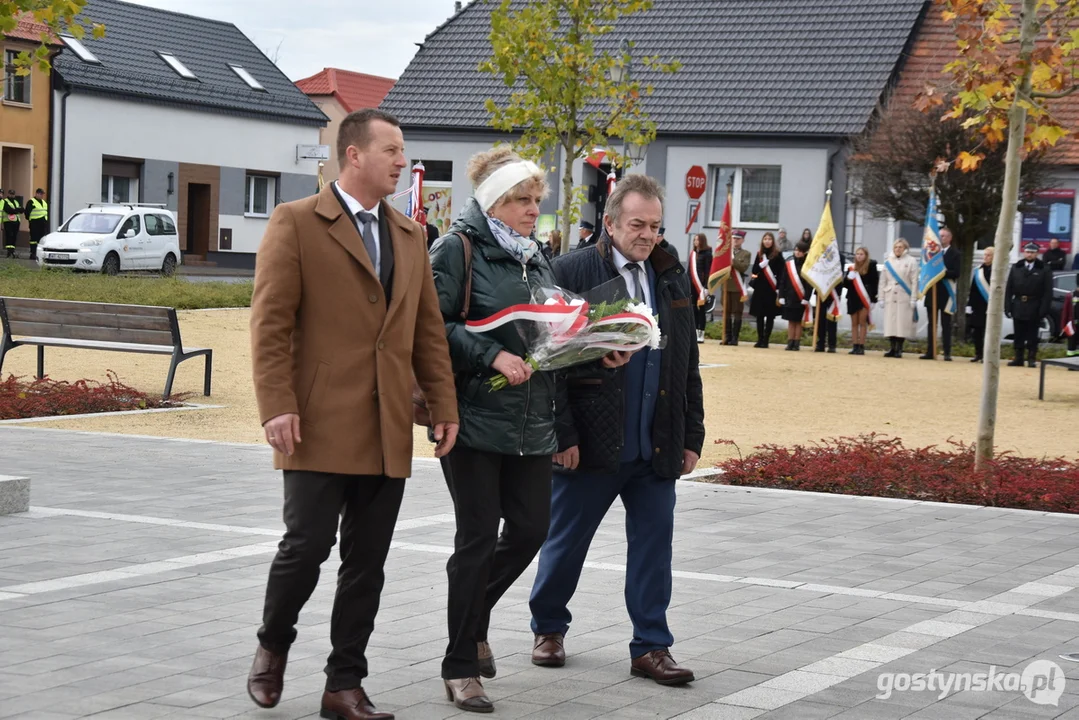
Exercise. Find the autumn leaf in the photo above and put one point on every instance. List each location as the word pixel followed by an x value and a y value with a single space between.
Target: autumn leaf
pixel 1046 135
pixel 968 162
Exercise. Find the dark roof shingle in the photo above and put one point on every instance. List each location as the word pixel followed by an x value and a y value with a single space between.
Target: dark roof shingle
pixel 748 66
pixel 130 64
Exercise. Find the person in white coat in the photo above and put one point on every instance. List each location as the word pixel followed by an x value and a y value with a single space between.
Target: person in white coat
pixel 898 282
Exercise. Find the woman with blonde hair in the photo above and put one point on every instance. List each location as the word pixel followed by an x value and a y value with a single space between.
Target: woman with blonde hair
pixel 500 468
pixel 898 284
pixel 862 281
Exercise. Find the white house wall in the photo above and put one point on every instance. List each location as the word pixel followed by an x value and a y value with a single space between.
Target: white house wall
pixel 162 136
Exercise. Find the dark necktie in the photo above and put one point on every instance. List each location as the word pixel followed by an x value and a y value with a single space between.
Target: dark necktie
pixel 635 271
pixel 366 221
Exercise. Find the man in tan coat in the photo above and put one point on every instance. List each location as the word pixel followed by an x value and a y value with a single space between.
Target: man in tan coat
pixel 734 287
pixel 344 312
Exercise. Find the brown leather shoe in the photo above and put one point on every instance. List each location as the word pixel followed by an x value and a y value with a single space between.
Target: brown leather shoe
pixel 352 704
pixel 468 694
pixel 486 659
pixel 661 667
pixel 267 677
pixel 548 651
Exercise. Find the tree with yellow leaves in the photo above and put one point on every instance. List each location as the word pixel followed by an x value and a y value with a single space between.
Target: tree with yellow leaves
pixel 567 94
pixel 1015 58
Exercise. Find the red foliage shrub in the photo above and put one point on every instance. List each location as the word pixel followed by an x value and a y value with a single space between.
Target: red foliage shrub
pixel 881 466
pixel 45 397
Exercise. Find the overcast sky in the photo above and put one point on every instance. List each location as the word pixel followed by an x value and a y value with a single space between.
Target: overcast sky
pixel 370 36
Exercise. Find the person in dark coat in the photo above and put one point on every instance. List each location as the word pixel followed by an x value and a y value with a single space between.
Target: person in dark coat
pixel 666 245
pixel 628 427
pixel 952 264
pixel 828 332
pixel 500 468
pixel 587 234
pixel 978 302
pixel 700 265
pixel 794 293
pixel 10 210
pixel 1054 258
pixel 861 281
pixel 1027 299
pixel 432 231
pixel 764 279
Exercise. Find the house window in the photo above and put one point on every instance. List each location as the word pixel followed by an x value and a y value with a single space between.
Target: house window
pixel 260 196
pixel 247 78
pixel 16 87
pixel 118 189
pixel 754 196
pixel 79 49
pixel 179 67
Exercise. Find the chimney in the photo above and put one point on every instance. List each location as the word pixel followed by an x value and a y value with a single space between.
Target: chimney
pixel 456 7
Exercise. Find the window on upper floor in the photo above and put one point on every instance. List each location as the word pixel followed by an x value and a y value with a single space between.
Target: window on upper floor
pixel 76 46
pixel 16 87
pixel 179 67
pixel 247 77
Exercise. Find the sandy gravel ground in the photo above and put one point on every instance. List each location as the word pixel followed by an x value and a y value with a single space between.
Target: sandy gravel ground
pixel 755 396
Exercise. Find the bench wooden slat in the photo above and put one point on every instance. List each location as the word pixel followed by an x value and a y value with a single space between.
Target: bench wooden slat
pixel 101 345
pixel 78 306
pixel 91 319
pixel 83 332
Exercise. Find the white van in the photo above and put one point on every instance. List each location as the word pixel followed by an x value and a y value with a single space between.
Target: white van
pixel 113 238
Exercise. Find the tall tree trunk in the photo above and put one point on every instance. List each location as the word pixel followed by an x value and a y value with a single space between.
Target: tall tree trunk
pixel 994 317
pixel 567 191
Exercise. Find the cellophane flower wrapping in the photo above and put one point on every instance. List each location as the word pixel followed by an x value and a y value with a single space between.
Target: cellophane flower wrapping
pixel 562 329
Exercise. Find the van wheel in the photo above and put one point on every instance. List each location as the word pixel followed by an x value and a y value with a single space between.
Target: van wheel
pixel 168 268
pixel 111 266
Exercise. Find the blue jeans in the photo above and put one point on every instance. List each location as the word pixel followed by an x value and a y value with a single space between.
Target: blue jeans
pixel 579 502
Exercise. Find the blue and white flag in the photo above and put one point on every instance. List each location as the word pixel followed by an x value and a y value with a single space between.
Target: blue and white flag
pixel 932 255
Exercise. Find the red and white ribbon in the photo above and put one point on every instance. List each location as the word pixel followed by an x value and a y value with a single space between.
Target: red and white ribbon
pixel 863 294
pixel 742 294
pixel 1069 329
pixel 698 286
pixel 768 274
pixel 559 313
pixel 792 275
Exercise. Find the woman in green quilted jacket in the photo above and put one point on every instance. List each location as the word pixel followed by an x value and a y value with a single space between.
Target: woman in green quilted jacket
pixel 500 467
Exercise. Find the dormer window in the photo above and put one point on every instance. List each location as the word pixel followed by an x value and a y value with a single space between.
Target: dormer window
pixel 179 67
pixel 79 49
pixel 247 77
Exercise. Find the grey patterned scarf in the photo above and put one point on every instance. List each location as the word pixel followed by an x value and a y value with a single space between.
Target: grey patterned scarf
pixel 516 244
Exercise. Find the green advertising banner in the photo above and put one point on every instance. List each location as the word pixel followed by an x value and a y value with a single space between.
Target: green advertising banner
pixel 545 225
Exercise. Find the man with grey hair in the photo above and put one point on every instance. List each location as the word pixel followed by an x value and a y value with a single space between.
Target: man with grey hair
pixel 627 427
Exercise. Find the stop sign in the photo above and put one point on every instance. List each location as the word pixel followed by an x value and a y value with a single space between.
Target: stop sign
pixel 695 180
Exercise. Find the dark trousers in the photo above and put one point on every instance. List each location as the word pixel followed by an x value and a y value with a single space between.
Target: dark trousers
pixel 11 234
pixel 764 328
pixel 367 506
pixel 38 229
pixel 944 322
pixel 579 502
pixel 1025 336
pixel 732 319
pixel 827 331
pixel 486 487
pixel 701 316
pixel 977 336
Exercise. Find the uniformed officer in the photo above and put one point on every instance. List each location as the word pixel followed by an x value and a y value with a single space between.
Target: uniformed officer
pixel 1026 300
pixel 37 212
pixel 10 210
pixel 732 318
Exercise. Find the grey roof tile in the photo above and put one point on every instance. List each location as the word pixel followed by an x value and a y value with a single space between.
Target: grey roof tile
pixel 131 67
pixel 749 66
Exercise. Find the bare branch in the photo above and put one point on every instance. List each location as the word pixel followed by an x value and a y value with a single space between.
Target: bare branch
pixel 1054 96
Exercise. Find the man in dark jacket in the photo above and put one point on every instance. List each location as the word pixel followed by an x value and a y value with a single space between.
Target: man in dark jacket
pixel 1054 258
pixel 625 430
pixel 944 289
pixel 978 303
pixel 587 234
pixel 10 210
pixel 666 245
pixel 1026 300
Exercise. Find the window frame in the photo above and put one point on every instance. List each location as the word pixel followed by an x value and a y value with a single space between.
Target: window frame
pixel 76 46
pixel 177 66
pixel 11 79
pixel 736 197
pixel 250 80
pixel 250 180
pixel 132 189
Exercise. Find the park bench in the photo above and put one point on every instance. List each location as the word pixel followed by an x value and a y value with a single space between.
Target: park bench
pixel 96 326
pixel 1072 363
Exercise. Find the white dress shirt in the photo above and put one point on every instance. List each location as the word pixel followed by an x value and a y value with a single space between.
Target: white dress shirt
pixel 355 207
pixel 621 263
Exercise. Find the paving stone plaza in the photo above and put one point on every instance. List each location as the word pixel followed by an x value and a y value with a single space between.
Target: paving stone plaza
pixel 133 588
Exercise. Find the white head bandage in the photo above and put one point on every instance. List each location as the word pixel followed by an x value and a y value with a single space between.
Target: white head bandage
pixel 503 180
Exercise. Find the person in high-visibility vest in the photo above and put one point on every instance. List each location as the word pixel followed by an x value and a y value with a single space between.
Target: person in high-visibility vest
pixel 10 210
pixel 37 212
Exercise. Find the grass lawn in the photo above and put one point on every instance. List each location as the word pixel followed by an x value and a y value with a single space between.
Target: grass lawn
pixel 54 284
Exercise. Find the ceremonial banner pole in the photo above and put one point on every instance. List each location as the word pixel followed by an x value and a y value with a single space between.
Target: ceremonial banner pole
pixel 724 325
pixel 933 325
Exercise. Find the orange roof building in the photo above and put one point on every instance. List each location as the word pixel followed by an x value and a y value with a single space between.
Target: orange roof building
pixel 339 92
